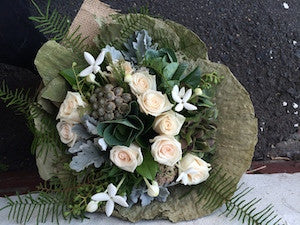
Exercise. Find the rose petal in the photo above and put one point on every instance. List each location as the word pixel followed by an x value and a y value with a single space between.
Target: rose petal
pixel 86 71
pixel 109 207
pixel 112 190
pixel 89 58
pixel 175 94
pixel 100 58
pixel 100 197
pixel 120 200
pixel 187 95
pixel 179 107
pixel 189 106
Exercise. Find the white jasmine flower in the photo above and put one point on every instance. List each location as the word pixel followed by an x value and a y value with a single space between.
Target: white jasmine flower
pixel 182 97
pixel 110 197
pixel 94 65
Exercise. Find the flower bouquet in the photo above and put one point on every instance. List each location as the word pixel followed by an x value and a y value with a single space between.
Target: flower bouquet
pixel 140 125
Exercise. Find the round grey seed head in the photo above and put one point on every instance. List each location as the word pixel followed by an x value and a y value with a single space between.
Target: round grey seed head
pixel 93 98
pixel 108 87
pixel 110 107
pixel 95 114
pixel 118 91
pixel 110 96
pixel 95 106
pixel 101 111
pixel 126 97
pixel 118 101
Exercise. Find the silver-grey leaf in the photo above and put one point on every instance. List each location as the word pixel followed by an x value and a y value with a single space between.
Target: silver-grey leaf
pixel 87 154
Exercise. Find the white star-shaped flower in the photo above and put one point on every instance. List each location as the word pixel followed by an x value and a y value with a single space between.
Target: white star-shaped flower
pixel 94 65
pixel 183 176
pixel 111 198
pixel 182 97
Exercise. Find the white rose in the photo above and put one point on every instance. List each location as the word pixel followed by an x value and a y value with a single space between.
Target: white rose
pixel 193 170
pixel 141 81
pixel 65 133
pixel 126 158
pixel 68 110
pixel 168 123
pixel 154 102
pixel 166 150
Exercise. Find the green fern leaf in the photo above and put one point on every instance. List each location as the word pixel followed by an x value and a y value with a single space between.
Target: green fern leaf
pixel 45 206
pixel 56 26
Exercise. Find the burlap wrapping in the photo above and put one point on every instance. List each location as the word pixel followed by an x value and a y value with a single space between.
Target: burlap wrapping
pixel 236 136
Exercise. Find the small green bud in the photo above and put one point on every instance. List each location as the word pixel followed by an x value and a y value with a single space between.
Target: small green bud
pixel 74 64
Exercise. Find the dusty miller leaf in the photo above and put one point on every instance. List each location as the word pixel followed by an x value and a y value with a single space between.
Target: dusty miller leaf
pixel 87 154
pixel 90 124
pixel 81 131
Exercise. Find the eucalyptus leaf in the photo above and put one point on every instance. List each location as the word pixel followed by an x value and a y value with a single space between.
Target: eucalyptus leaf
pixel 149 167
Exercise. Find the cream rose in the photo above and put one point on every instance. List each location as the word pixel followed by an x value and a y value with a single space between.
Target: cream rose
pixel 166 150
pixel 65 133
pixel 141 81
pixel 193 170
pixel 126 158
pixel 154 102
pixel 168 123
pixel 68 110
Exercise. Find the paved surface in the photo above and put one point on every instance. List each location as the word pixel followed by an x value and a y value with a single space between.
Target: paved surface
pixel 282 190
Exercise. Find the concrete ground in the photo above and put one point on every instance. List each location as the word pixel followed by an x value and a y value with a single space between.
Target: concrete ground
pixel 282 190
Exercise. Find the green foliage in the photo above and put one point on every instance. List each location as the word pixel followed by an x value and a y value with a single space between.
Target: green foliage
pixel 220 188
pixel 122 131
pixel 149 167
pixel 208 80
pixel 56 26
pixel 45 135
pixel 193 79
pixel 46 206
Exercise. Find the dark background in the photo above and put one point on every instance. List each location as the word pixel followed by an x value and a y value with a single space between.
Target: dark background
pixel 258 40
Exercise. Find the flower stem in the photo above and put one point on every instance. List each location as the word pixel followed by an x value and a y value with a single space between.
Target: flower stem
pixel 121 182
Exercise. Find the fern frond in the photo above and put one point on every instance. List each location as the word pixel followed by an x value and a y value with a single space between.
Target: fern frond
pixel 246 212
pixel 56 26
pixel 19 99
pixel 43 207
pixel 52 24
pixel 45 136
pixel 220 188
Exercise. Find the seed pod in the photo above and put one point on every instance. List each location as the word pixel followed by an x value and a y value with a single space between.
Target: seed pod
pixel 101 118
pixel 126 97
pixel 101 111
pixel 95 106
pixel 118 101
pixel 93 98
pixel 118 115
pixel 95 114
pixel 101 101
pixel 110 107
pixel 109 116
pixel 110 96
pixel 108 87
pixel 100 94
pixel 124 108
pixel 118 91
